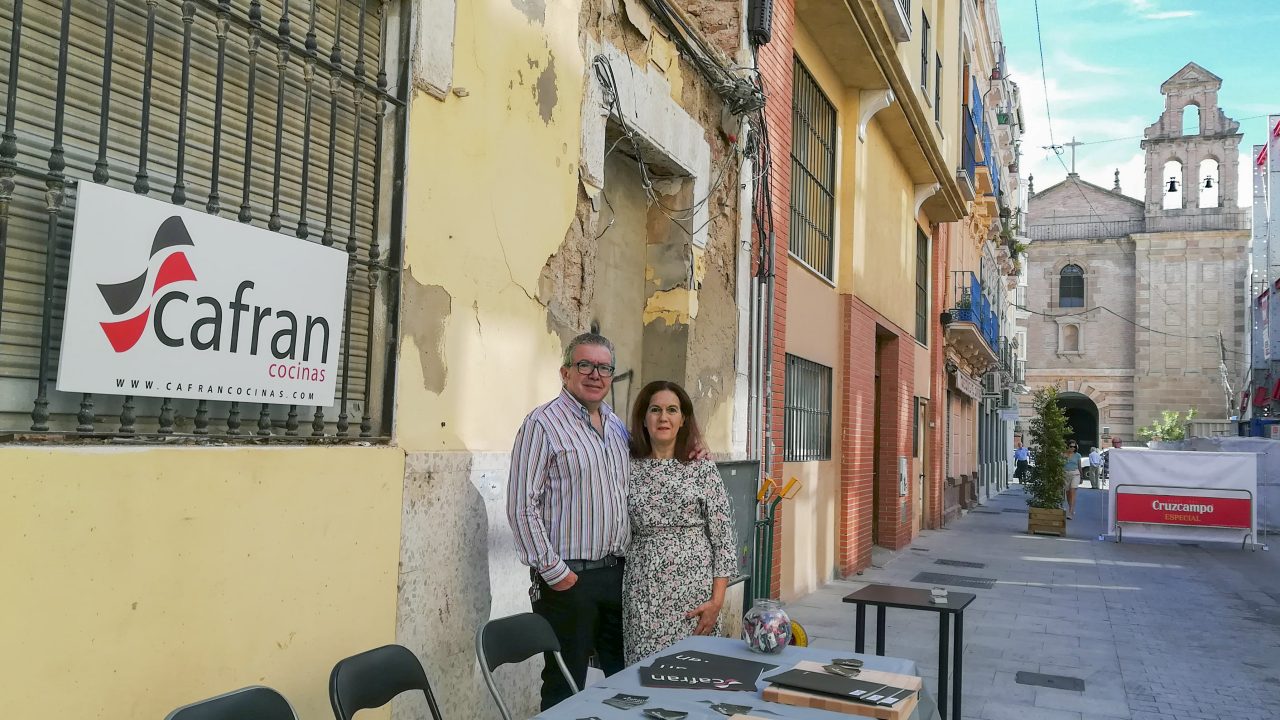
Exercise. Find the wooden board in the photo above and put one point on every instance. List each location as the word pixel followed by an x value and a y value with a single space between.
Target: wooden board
pixel 1047 521
pixel 800 698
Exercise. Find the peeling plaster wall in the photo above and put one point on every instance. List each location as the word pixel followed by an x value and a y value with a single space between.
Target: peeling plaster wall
pixel 504 262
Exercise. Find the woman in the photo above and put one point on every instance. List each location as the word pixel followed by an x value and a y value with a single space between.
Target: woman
pixel 681 554
pixel 1072 480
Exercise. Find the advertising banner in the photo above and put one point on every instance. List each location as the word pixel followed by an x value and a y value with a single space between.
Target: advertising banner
pixel 165 301
pixel 1176 509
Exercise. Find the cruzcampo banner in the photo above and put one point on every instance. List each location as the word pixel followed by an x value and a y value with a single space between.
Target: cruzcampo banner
pixel 165 301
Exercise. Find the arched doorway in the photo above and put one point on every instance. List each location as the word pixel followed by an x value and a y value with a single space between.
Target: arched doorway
pixel 1082 416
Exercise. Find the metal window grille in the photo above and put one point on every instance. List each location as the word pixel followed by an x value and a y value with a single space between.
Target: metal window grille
pixel 807 429
pixel 287 117
pixel 813 174
pixel 922 286
pixel 924 51
pixel 1071 287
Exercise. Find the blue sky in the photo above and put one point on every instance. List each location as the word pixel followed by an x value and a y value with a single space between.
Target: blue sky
pixel 1106 60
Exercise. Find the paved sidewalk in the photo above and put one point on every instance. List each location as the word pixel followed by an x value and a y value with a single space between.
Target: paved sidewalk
pixel 1157 632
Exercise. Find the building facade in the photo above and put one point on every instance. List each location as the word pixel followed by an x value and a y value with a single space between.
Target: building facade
pixel 500 179
pixel 1136 305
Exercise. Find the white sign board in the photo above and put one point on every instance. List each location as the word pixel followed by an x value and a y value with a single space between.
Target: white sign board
pixel 1203 474
pixel 165 301
pixel 1009 414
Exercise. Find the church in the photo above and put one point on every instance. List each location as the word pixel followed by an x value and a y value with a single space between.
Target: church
pixel 1135 306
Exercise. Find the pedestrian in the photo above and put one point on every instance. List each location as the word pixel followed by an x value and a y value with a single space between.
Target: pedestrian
pixel 682 552
pixel 1116 443
pixel 1021 457
pixel 567 506
pixel 1072 479
pixel 1095 468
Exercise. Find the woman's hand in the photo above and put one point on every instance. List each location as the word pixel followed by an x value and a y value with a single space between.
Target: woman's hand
pixel 707 614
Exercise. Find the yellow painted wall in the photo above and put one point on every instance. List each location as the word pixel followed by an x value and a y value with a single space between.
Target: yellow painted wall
pixel 809 535
pixel 138 580
pixel 884 245
pixel 483 231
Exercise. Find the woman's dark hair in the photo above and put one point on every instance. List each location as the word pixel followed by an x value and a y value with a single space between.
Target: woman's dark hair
pixel 687 439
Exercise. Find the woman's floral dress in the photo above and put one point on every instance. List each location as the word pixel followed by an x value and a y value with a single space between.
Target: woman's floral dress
pixel 681 538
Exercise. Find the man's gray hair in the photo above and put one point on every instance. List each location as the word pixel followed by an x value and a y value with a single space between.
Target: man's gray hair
pixel 588 338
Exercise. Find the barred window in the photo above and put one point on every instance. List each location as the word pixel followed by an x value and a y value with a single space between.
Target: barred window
pixel 924 51
pixel 286 117
pixel 807 427
pixel 813 175
pixel 1071 286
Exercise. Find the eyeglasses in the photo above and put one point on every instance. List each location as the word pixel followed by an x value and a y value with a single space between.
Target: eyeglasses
pixel 585 367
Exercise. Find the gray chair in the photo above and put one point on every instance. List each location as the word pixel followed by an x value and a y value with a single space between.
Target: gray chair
pixel 372 678
pixel 251 703
pixel 515 639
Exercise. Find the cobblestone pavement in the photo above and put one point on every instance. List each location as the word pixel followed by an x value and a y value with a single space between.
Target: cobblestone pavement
pixel 1157 632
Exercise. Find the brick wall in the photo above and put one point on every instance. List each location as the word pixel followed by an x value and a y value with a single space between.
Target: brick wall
pixel 935 421
pixel 863 330
pixel 775 60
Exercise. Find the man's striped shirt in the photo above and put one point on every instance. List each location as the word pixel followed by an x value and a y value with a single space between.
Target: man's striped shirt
pixel 567 491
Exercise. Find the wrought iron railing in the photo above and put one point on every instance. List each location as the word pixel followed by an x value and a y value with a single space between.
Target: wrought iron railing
pixel 807 423
pixel 813 175
pixel 973 306
pixel 287 118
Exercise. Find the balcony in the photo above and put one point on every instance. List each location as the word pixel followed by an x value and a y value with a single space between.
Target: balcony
pixel 974 330
pixel 897 15
pixel 988 173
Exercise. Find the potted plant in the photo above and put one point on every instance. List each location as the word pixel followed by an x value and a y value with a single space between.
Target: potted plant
pixel 1045 481
pixel 1168 431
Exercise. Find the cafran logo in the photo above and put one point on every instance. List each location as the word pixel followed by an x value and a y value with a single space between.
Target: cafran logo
pixel 220 325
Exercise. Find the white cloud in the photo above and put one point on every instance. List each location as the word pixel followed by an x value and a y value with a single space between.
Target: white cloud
pixel 1072 64
pixel 1169 15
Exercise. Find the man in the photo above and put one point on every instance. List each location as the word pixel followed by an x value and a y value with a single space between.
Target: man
pixel 1021 456
pixel 567 505
pixel 1095 468
pixel 1106 458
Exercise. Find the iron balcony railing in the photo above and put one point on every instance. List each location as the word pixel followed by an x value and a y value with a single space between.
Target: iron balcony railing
pixel 973 306
pixel 984 136
pixel 969 144
pixel 288 118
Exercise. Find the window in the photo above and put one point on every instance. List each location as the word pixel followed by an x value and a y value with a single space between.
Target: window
pixel 922 286
pixel 1071 287
pixel 924 52
pixel 807 424
pixel 1070 340
pixel 813 175
pixel 917 413
pixel 937 89
pixel 178 135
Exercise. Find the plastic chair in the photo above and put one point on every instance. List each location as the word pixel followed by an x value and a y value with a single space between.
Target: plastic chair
pixel 515 639
pixel 372 678
pixel 251 703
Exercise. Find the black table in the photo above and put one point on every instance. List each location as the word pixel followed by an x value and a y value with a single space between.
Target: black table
pixel 907 598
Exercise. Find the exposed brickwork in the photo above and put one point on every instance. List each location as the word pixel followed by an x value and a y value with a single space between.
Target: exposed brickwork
pixel 857 434
pixel 863 330
pixel 775 61
pixel 934 419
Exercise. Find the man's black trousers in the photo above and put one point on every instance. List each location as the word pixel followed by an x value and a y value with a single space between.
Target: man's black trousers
pixel 587 619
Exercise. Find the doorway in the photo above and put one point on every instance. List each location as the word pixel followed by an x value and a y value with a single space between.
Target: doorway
pixel 1082 416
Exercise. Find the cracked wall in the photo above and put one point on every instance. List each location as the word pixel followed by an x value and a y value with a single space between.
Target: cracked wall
pixel 508 254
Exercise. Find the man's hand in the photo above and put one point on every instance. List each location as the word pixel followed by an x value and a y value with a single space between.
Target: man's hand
pixel 707 614
pixel 569 581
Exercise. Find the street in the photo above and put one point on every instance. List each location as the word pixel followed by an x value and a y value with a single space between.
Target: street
pixel 1156 632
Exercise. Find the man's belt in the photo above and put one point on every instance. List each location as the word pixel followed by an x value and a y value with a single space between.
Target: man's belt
pixel 580 566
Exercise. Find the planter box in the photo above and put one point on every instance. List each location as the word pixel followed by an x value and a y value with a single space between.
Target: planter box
pixel 1044 521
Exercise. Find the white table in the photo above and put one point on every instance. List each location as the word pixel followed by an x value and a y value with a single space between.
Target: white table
pixel 589 703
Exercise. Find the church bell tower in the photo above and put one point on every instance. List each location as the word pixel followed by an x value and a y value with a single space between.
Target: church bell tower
pixel 1192 156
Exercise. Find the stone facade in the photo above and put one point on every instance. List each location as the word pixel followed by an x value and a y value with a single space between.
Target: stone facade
pixel 1160 309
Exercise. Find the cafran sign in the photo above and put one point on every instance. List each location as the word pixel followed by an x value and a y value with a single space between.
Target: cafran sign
pixel 165 301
